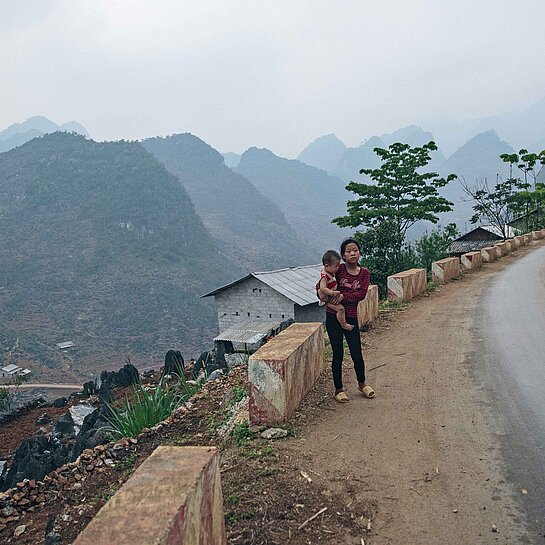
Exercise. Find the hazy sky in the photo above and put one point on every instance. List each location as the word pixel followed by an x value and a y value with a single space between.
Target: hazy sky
pixel 273 74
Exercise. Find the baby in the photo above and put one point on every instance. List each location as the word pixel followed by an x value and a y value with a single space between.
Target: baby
pixel 326 288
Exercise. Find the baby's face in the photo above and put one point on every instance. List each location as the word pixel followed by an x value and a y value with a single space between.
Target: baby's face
pixel 333 267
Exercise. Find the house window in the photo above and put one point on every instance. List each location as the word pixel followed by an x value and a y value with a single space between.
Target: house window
pixel 259 290
pixel 270 315
pixel 248 314
pixel 282 315
pixel 236 313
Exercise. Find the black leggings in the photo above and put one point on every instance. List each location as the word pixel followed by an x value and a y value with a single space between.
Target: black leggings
pixel 335 333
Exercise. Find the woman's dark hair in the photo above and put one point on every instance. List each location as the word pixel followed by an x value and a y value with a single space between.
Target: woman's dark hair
pixel 348 241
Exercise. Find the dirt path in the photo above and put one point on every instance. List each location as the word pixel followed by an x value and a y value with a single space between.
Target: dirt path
pixel 422 451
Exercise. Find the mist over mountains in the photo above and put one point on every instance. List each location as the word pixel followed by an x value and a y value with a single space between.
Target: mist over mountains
pixel 308 197
pixel 19 133
pixel 251 227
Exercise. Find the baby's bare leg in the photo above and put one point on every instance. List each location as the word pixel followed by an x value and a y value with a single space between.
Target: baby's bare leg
pixel 341 316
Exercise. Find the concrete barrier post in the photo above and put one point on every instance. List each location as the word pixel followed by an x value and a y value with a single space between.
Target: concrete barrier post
pixel 471 261
pixel 527 238
pixel 282 372
pixel 543 232
pixel 368 308
pixel 501 248
pixel 173 497
pixel 489 254
pixel 520 240
pixel 445 270
pixel 406 285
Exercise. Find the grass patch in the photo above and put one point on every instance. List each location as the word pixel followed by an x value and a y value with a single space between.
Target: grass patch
pixel 126 464
pixel 265 472
pixel 232 499
pixel 238 393
pixel 232 516
pixel 241 434
pixel 261 453
pixel 145 408
pixel 391 305
pixel 432 285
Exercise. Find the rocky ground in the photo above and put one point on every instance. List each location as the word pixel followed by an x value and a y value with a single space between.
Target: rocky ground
pixel 417 464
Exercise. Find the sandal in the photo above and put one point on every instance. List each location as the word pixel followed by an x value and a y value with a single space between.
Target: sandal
pixel 341 397
pixel 367 391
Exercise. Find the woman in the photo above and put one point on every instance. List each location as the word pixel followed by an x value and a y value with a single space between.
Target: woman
pixel 352 282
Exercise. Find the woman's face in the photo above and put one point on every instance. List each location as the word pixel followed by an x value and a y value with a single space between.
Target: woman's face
pixel 351 254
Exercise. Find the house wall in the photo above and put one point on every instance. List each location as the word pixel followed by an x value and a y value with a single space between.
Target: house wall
pixel 310 313
pixel 252 300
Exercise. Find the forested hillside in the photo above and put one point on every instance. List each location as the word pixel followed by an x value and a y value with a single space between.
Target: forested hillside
pixel 309 197
pixel 253 230
pixel 101 245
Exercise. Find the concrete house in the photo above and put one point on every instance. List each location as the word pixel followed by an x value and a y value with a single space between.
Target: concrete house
pixel 270 296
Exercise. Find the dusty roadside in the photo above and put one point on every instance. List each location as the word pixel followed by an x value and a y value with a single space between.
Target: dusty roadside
pixel 422 452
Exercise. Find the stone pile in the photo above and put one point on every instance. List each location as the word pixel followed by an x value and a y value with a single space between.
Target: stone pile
pixel 29 495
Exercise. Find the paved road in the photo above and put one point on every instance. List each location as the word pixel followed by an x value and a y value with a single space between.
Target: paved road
pixel 28 385
pixel 510 357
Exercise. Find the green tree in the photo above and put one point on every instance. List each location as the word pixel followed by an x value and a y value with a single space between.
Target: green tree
pixel 434 246
pixel 528 202
pixel 401 194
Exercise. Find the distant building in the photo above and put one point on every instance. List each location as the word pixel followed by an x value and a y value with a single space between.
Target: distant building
pixel 65 345
pixel 13 370
pixel 479 238
pixel 270 296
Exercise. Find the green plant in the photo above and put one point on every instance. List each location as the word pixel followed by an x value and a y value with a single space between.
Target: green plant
pixel 432 285
pixel 126 464
pixel 8 391
pixel 241 434
pixel 231 516
pixel 401 195
pixel 149 407
pixel 391 305
pixel 261 453
pixel 180 440
pixel 232 499
pixel 265 472
pixel 238 393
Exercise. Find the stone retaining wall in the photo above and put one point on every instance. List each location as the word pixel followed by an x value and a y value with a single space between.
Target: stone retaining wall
pixel 368 308
pixel 174 497
pixel 283 371
pixel 445 270
pixel 406 285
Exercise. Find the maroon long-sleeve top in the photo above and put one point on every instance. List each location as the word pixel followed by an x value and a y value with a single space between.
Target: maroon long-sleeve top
pixel 353 288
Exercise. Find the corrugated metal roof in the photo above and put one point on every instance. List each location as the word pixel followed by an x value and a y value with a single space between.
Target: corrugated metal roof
pixel 298 284
pixel 510 231
pixel 248 332
pixel 464 246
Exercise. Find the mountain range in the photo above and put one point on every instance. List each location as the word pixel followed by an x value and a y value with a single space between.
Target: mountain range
pixel 102 246
pixel 17 134
pixel 251 227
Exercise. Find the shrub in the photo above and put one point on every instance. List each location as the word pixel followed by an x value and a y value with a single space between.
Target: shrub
pixel 149 407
